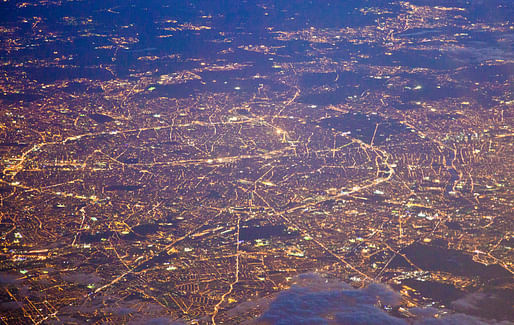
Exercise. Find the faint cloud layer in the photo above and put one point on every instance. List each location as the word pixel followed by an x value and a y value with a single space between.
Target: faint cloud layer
pixel 156 321
pixel 316 300
pixel 7 279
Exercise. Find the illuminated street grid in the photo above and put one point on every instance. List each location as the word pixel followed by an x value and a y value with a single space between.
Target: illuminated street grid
pixel 131 200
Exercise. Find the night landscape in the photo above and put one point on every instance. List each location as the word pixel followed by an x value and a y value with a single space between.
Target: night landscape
pixel 256 162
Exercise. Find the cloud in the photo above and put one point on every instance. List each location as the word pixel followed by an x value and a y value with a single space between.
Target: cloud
pixel 121 311
pixel 133 312
pixel 492 304
pixel 316 300
pixel 458 319
pixel 82 278
pixel 477 54
pixel 367 315
pixel 7 279
pixel 156 321
pixel 470 302
pixel 10 305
